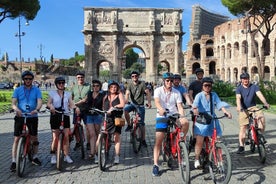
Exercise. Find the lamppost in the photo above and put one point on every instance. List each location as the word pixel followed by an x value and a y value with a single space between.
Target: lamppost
pixel 19 35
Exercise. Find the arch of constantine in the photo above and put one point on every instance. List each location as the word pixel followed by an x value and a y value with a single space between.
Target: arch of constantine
pixel 109 32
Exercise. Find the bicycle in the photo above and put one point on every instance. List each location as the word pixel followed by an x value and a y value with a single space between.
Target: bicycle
pixel 216 155
pixel 79 134
pixel 105 139
pixel 174 147
pixel 136 132
pixel 24 148
pixel 255 136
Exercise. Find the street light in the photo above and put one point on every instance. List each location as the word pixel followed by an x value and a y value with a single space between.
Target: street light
pixel 19 35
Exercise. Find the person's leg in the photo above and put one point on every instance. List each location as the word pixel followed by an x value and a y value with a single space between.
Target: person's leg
pixel 198 148
pixel 159 136
pixel 128 108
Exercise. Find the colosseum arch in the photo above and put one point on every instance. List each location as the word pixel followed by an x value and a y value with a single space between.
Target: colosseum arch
pixel 108 32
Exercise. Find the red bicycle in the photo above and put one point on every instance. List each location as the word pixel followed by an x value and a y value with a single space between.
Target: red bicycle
pixel 24 148
pixel 174 147
pixel 255 136
pixel 79 134
pixel 216 156
pixel 136 133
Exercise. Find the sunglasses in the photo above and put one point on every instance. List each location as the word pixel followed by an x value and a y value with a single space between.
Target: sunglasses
pixel 28 79
pixel 134 76
pixel 168 80
pixel 96 85
pixel 61 82
pixel 207 85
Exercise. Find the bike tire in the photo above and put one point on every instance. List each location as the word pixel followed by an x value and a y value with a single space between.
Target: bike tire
pixel 136 139
pixel 221 171
pixel 21 157
pixel 183 162
pixel 31 153
pixel 252 146
pixel 60 152
pixel 261 148
pixel 81 136
pixel 102 152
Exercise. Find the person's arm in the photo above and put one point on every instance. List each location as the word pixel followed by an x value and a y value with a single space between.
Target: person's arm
pixel 180 110
pixel 262 98
pixel 127 95
pixel 238 102
pixel 159 107
pixel 73 106
pixel 191 95
pixel 122 101
pixel 187 98
pixel 229 115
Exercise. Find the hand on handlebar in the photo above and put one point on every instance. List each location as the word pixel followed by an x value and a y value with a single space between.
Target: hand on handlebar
pixel 228 114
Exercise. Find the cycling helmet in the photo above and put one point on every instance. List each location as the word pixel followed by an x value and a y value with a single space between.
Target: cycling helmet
pixel 27 72
pixel 244 76
pixel 168 75
pixel 208 80
pixel 135 73
pixel 97 82
pixel 198 70
pixel 59 79
pixel 112 82
pixel 177 76
pixel 80 73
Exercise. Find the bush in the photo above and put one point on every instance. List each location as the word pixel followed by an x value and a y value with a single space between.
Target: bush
pixel 268 90
pixel 223 89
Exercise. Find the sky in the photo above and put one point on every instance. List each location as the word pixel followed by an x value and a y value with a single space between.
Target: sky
pixel 57 27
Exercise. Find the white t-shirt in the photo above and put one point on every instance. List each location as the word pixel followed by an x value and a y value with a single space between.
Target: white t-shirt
pixel 168 100
pixel 105 86
pixel 57 100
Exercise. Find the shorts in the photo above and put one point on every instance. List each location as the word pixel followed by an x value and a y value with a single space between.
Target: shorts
pixel 32 125
pixel 161 124
pixel 94 119
pixel 55 121
pixel 141 108
pixel 243 115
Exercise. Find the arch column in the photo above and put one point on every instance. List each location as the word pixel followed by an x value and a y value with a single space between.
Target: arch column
pixel 117 62
pixel 151 65
pixel 176 54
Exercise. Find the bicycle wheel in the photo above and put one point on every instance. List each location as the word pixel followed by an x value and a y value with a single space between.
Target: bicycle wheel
pixel 136 138
pixel 60 151
pixel 220 167
pixel 183 162
pixel 166 153
pixel 21 157
pixel 261 147
pixel 102 152
pixel 81 136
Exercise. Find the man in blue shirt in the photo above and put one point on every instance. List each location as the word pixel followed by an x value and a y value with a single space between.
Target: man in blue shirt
pixel 245 100
pixel 26 99
pixel 183 91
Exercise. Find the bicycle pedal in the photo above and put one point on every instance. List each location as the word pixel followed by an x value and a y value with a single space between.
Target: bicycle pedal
pixel 247 143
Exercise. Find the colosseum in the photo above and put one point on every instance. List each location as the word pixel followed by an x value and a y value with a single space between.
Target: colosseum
pixel 223 47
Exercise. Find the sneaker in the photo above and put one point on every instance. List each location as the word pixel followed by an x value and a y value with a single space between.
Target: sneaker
pixel 240 150
pixel 117 159
pixel 13 167
pixel 155 170
pixel 36 161
pixel 76 146
pixel 88 146
pixel 53 159
pixel 197 164
pixel 96 159
pixel 144 144
pixel 128 128
pixel 68 159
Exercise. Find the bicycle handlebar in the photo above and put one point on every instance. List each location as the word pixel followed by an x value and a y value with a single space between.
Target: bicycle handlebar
pixel 263 107
pixel 92 110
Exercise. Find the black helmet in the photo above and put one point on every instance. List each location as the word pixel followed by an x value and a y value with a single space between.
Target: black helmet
pixel 168 75
pixel 59 79
pixel 112 82
pixel 80 73
pixel 177 76
pixel 134 72
pixel 96 82
pixel 27 72
pixel 244 76
pixel 198 70
pixel 208 80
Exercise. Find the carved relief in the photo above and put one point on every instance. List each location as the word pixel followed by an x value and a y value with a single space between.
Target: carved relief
pixel 105 49
pixel 168 49
pixel 89 18
pixel 88 39
pixel 168 20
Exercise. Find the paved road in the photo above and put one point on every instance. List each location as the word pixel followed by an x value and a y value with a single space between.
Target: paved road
pixel 134 168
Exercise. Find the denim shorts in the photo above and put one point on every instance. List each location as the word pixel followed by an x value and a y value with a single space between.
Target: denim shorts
pixel 130 108
pixel 94 119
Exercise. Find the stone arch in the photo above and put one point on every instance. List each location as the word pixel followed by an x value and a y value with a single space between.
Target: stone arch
pixel 253 54
pixel 104 67
pixel 109 31
pixel 196 51
pixel 223 52
pixel 212 68
pixel 236 49
pixel 195 66
pixel 244 47
pixel 229 51
pixel 266 73
pixel 235 72
pixel 167 67
pixel 209 52
pixel 210 42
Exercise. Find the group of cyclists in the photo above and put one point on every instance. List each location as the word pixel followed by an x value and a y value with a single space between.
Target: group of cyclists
pixel 168 99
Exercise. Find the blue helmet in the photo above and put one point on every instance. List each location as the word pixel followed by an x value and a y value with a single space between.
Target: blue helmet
pixel 168 75
pixel 112 82
pixel 177 76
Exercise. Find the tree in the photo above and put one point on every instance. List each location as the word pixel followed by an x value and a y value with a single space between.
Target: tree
pixel 15 8
pixel 259 14
pixel 131 57
pixel 52 58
